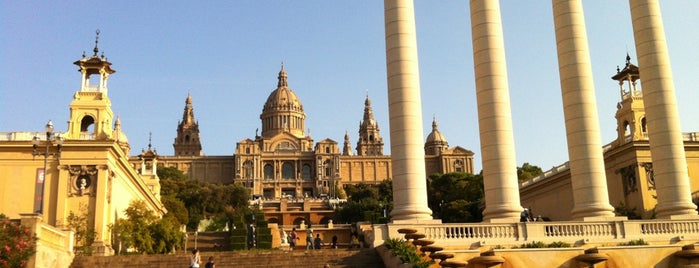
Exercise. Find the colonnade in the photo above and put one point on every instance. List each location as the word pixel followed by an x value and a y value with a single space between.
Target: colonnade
pixel 588 177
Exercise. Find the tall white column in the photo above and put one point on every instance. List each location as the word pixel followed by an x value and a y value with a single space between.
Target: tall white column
pixel 588 177
pixel 662 117
pixel 494 114
pixel 405 114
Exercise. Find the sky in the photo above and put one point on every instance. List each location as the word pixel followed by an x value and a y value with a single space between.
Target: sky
pixel 227 55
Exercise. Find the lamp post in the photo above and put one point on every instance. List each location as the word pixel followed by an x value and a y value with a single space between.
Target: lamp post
pixel 51 138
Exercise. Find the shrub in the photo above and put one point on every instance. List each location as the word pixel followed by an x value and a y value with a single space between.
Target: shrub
pixel 17 243
pixel 406 252
pixel 539 244
pixel 639 242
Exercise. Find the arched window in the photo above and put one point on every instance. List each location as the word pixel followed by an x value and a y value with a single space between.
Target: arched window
pixel 287 170
pixel 643 125
pixel 269 172
pixel 306 172
pixel 247 150
pixel 186 138
pixel 248 169
pixel 327 150
pixel 87 123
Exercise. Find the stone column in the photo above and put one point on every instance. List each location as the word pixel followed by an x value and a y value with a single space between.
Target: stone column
pixel 662 117
pixel 588 176
pixel 405 114
pixel 494 114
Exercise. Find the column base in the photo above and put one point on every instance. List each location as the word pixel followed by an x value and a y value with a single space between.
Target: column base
pixel 100 249
pixel 417 221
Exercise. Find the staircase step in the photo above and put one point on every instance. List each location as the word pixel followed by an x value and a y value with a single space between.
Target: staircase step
pixel 244 259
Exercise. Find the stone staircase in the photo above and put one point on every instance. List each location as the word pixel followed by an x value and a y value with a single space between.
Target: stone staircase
pixel 207 241
pixel 348 258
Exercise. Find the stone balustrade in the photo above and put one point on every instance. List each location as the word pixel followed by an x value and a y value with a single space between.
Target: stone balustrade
pixel 475 235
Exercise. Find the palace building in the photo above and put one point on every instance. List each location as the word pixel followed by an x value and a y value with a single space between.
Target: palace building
pixel 284 161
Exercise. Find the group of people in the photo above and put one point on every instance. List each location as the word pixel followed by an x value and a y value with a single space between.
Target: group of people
pixel 311 242
pixel 526 216
pixel 195 260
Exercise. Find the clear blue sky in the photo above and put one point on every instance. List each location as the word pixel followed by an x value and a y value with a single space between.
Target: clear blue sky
pixel 228 54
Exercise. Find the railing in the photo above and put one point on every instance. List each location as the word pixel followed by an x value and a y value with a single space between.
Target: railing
pixel 575 233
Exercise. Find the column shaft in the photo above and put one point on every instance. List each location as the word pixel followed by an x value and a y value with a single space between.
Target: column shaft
pixel 662 117
pixel 588 177
pixel 494 114
pixel 405 114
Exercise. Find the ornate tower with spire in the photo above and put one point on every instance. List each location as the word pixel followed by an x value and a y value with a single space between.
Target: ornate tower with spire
pixel 283 111
pixel 370 141
pixel 630 114
pixel 187 141
pixel 90 111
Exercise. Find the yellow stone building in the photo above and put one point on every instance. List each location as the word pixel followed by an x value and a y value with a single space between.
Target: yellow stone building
pixel 84 170
pixel 284 161
pixel 627 159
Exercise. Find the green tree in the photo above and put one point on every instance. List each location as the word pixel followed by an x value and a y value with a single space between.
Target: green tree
pixel 366 202
pixel 143 231
pixel 175 208
pixel 528 171
pixel 166 235
pixel 456 197
pixel 84 232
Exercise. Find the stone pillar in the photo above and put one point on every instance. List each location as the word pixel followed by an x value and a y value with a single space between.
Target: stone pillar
pixel 405 114
pixel 662 117
pixel 494 114
pixel 588 176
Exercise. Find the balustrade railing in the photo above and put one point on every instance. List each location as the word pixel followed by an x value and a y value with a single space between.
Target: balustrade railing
pixel 574 233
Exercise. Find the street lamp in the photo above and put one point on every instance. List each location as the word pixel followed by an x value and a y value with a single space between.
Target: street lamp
pixel 51 138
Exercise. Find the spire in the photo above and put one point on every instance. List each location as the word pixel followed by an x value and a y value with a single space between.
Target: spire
pixel 282 78
pixel 97 38
pixel 370 141
pixel 347 148
pixel 434 123
pixel 187 141
pixel 150 137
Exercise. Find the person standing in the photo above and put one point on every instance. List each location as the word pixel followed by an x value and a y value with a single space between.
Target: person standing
pixel 309 237
pixel 195 259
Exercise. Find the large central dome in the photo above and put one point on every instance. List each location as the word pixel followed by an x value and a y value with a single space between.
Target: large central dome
pixel 283 111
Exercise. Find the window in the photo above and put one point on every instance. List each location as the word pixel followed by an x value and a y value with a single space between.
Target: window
pixel 287 170
pixel 248 169
pixel 328 167
pixel 306 172
pixel 269 172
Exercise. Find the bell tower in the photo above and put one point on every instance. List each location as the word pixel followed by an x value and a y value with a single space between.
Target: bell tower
pixel 90 111
pixel 370 141
pixel 630 114
pixel 187 141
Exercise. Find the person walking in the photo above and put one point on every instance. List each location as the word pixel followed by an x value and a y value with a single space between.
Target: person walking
pixel 195 259
pixel 309 237
pixel 294 238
